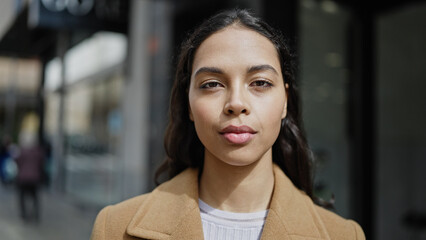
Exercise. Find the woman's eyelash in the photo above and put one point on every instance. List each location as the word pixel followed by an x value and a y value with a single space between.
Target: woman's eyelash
pixel 257 83
pixel 210 85
pixel 261 83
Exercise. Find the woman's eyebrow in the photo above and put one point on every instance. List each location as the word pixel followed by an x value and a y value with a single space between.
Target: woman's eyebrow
pixel 208 70
pixel 262 67
pixel 252 69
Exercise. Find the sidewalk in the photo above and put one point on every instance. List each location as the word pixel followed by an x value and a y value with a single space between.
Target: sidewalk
pixel 59 218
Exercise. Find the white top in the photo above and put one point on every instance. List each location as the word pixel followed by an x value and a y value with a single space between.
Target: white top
pixel 218 224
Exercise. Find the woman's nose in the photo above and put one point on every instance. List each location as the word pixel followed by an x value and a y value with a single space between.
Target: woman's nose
pixel 236 103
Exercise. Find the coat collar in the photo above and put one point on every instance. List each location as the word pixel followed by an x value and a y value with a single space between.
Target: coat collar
pixel 171 211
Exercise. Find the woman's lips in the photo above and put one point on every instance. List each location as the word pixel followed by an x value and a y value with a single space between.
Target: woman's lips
pixel 238 138
pixel 238 134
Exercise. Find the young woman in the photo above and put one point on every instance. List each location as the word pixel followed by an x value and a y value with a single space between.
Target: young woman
pixel 236 153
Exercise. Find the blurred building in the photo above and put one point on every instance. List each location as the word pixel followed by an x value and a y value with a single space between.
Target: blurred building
pixel 98 75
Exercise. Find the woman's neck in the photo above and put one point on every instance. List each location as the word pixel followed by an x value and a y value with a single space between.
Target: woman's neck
pixel 237 188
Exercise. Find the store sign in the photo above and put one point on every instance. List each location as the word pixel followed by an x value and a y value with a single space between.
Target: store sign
pixel 108 15
pixel 75 7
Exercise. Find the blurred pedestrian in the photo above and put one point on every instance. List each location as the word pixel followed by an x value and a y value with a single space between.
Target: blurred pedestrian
pixel 4 156
pixel 8 168
pixel 30 164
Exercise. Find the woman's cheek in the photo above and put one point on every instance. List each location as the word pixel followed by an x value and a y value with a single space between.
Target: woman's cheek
pixel 203 117
pixel 271 108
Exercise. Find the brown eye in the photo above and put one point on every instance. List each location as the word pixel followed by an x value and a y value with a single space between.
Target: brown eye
pixel 261 83
pixel 210 85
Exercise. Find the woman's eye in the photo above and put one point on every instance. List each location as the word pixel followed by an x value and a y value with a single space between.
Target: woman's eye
pixel 261 83
pixel 210 85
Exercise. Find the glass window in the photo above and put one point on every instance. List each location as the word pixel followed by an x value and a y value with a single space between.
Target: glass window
pixel 323 78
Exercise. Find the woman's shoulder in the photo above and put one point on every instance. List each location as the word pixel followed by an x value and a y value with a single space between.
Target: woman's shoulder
pixel 295 206
pixel 127 207
pixel 162 206
pixel 339 227
pixel 112 220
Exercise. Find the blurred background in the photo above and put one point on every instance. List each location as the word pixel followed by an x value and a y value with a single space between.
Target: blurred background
pixel 89 81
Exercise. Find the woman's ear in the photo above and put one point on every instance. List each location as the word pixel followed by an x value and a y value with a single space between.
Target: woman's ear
pixel 285 103
pixel 189 106
pixel 284 110
pixel 190 113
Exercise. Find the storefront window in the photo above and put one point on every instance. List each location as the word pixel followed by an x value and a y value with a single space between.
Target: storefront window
pixel 324 79
pixel 94 76
pixel 93 127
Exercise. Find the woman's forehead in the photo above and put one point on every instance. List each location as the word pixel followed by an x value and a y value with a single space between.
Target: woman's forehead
pixel 236 46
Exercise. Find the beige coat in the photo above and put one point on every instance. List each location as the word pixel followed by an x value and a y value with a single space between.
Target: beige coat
pixel 171 212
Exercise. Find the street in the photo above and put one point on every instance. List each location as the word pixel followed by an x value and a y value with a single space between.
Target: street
pixel 60 218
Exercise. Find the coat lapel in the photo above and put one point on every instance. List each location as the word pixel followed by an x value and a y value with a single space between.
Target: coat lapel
pixel 291 214
pixel 171 211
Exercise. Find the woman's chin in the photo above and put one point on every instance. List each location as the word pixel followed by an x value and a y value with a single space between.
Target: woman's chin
pixel 240 162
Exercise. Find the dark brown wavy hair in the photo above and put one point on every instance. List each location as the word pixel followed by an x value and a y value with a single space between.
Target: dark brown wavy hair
pixel 183 148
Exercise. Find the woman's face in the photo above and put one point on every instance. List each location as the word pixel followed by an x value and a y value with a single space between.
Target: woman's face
pixel 237 96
